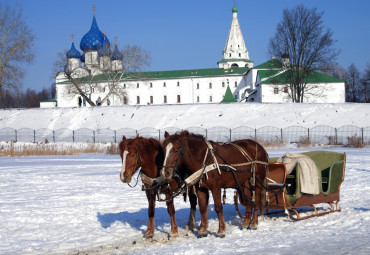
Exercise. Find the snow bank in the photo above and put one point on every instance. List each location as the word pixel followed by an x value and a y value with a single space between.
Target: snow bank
pixel 254 115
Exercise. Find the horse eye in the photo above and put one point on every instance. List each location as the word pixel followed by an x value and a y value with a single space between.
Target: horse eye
pixel 132 155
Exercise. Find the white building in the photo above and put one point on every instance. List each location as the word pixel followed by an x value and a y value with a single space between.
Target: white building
pixel 235 70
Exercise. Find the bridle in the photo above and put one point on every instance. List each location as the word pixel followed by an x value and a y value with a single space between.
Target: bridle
pixel 134 168
pixel 176 166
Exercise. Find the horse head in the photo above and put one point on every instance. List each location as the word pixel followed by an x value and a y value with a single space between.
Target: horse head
pixel 130 155
pixel 173 151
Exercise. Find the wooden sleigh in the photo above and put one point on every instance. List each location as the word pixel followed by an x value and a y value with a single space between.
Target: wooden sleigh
pixel 284 190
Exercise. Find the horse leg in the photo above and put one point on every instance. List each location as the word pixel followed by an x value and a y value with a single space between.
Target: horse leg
pixel 171 212
pixel 248 208
pixel 203 198
pixel 254 222
pixel 193 206
pixel 151 209
pixel 216 193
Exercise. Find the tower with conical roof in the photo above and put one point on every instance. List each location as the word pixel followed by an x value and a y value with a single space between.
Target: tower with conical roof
pixel 235 53
pixel 73 56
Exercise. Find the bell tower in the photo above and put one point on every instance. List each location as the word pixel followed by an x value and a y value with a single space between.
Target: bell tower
pixel 235 53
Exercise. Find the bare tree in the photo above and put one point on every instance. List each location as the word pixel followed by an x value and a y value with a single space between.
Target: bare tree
pixel 16 41
pixel 83 80
pixel 304 45
pixel 353 84
pixel 366 84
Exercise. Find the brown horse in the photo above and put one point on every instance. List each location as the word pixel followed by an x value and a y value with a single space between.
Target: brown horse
pixel 147 153
pixel 241 165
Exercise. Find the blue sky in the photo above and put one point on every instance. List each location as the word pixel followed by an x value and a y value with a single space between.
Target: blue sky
pixel 183 34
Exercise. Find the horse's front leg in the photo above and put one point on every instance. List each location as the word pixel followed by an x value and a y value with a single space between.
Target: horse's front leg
pixel 254 222
pixel 193 206
pixel 203 199
pixel 151 209
pixel 171 212
pixel 246 201
pixel 216 193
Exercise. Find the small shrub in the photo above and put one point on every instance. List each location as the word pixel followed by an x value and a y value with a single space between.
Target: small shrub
pixel 355 142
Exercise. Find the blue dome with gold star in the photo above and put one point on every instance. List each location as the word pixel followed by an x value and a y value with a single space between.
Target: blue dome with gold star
pixel 94 39
pixel 105 48
pixel 73 52
pixel 117 55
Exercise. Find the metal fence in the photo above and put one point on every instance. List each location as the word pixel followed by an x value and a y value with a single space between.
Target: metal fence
pixel 294 134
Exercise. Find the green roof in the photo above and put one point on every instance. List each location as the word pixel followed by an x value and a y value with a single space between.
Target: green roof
pixel 50 100
pixel 314 77
pixel 177 74
pixel 271 64
pixel 228 98
pixel 267 73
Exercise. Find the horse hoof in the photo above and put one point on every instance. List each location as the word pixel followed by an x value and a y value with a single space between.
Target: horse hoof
pixel 202 234
pixel 220 235
pixel 148 235
pixel 172 235
pixel 189 228
pixel 252 227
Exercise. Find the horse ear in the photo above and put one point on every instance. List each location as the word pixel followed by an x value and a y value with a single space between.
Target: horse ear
pixel 137 135
pixel 185 133
pixel 123 144
pixel 166 134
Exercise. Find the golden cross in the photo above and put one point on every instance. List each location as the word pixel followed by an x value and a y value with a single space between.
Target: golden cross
pixel 72 35
pixel 115 39
pixel 93 7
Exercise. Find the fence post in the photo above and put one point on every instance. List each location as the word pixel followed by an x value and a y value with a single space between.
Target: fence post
pixel 230 136
pixel 336 136
pixel 94 136
pixel 115 136
pixel 53 136
pixel 206 133
pixel 159 134
pixel 255 134
pixel 73 136
pixel 362 136
pixel 308 134
pixel 34 136
pixel 281 134
pixel 16 135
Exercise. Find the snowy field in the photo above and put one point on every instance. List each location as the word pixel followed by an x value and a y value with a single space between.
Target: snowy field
pixel 77 204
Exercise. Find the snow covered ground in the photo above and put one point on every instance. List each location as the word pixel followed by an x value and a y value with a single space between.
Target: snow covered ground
pixel 77 204
pixel 254 115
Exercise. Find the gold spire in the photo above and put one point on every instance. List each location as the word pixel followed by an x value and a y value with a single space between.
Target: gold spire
pixel 115 39
pixel 72 35
pixel 93 7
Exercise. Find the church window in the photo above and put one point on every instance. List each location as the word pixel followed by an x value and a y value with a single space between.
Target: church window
pixel 178 99
pixel 124 100
pixel 197 85
pixel 92 90
pixel 137 85
pixel 197 99
pixel 104 89
pixel 276 91
pixel 236 96
pixel 178 84
pixel 164 84
pixel 151 85
pixel 230 55
pixel 286 89
pixel 124 85
pixel 240 55
pixel 137 100
pixel 223 84
pixel 210 85
pixel 165 99
pixel 210 98
pixel 151 99
pixel 236 84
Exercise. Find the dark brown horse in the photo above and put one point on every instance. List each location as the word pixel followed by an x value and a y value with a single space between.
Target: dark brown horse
pixel 147 154
pixel 241 165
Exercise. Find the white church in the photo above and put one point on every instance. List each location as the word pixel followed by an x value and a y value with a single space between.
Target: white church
pixel 236 72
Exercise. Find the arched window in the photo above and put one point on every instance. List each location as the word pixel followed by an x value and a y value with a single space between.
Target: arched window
pixel 197 85
pixel 137 100
pixel 165 99
pixel 197 99
pixel 178 99
pixel 124 100
pixel 151 99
